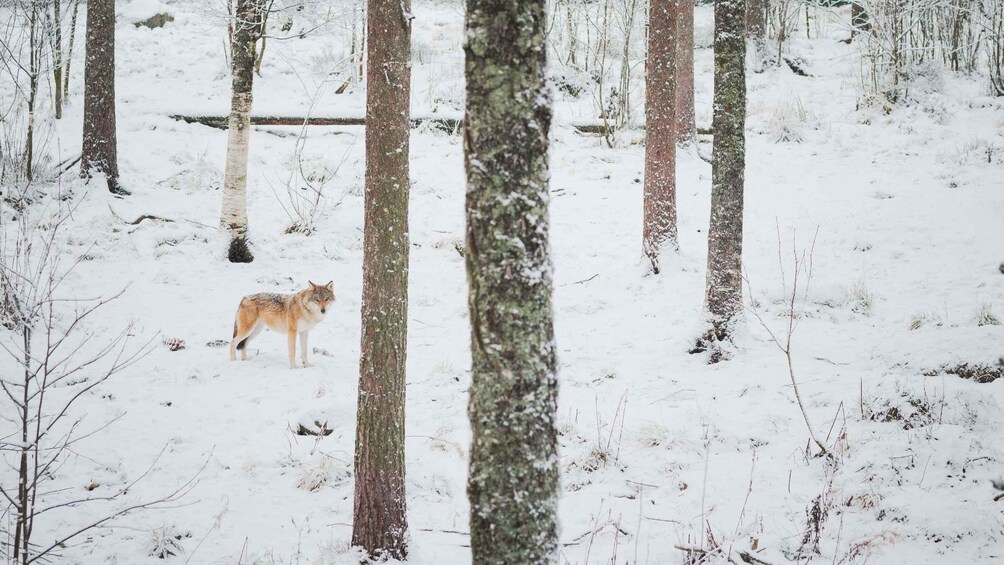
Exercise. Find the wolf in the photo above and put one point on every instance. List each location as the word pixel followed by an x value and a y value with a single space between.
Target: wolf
pixel 290 313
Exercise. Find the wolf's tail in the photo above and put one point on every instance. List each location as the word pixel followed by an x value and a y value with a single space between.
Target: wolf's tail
pixel 243 342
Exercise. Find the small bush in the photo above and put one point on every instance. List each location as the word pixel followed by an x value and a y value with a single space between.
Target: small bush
pixel 922 319
pixel 596 460
pixel 982 373
pixel 653 434
pixel 314 478
pixel 317 428
pixel 166 542
pixel 861 299
pixel 986 317
pixel 909 410
pixel 788 122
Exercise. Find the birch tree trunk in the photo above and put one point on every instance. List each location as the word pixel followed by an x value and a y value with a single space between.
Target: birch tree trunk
pixel 513 480
pixel 686 129
pixel 234 212
pixel 725 234
pixel 99 151
pixel 659 228
pixel 380 523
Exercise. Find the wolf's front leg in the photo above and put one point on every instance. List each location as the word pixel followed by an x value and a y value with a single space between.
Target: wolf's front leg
pixel 303 348
pixel 291 339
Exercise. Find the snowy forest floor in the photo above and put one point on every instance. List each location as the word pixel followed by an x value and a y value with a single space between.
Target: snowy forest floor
pixel 902 212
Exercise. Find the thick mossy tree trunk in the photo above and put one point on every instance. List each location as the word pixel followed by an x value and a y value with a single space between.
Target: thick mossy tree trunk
pixel 99 151
pixel 513 480
pixel 659 223
pixel 725 234
pixel 380 523
pixel 686 129
pixel 234 212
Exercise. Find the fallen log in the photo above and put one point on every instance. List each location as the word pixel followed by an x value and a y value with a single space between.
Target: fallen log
pixel 220 122
pixel 601 129
pixel 447 124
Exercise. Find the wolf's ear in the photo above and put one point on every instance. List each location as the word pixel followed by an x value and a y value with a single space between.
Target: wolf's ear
pixel 312 285
pixel 330 285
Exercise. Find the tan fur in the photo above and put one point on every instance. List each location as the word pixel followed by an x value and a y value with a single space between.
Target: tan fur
pixel 292 314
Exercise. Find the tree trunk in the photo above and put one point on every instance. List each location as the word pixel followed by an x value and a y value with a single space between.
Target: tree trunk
pixel 513 480
pixel 725 234
pixel 99 151
pixel 234 215
pixel 69 48
pixel 660 131
pixel 572 28
pixel 362 43
pixel 624 101
pixel 57 59
pixel 686 129
pixel 756 29
pixel 34 62
pixel 380 523
pixel 755 18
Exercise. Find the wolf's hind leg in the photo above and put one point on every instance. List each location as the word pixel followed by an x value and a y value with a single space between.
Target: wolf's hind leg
pixel 247 341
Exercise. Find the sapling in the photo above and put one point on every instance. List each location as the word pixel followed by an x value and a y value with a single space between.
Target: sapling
pixel 796 298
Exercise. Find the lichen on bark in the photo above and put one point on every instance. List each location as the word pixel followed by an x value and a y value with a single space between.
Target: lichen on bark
pixel 513 481
pixel 725 233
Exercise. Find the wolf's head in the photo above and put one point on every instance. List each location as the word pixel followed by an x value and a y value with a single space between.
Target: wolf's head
pixel 320 296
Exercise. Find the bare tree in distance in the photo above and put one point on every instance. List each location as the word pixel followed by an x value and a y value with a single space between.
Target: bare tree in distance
pixel 23 54
pixel 57 58
pixel 686 128
pixel 756 32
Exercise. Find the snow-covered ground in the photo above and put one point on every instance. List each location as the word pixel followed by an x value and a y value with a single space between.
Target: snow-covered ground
pixel 901 212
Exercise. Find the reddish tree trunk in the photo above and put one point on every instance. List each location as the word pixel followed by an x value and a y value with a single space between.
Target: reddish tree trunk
pixel 99 150
pixel 686 129
pixel 660 131
pixel 380 524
